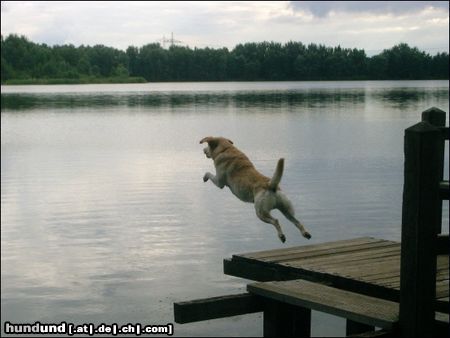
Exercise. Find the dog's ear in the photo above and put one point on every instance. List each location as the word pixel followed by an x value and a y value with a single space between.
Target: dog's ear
pixel 207 139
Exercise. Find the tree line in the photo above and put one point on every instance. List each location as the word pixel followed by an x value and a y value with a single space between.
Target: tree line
pixel 264 61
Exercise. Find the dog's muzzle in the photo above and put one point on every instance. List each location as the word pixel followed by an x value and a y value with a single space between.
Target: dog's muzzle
pixel 207 152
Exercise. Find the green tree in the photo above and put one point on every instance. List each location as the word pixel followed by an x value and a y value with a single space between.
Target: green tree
pixel 153 62
pixel 23 59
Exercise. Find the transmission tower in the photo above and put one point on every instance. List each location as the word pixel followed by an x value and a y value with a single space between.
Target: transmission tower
pixel 171 41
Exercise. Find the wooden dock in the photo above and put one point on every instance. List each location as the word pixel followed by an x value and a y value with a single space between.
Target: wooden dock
pixel 366 265
pixel 402 288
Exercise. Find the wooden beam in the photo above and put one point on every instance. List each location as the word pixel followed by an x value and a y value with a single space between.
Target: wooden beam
pixel 250 270
pixel 216 307
pixel 356 307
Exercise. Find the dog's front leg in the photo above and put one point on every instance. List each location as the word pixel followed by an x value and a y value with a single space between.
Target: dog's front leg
pixel 208 176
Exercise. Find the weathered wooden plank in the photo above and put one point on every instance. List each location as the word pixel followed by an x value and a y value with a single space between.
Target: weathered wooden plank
pixel 341 253
pixel 359 269
pixel 323 253
pixel 383 276
pixel 275 252
pixel 271 255
pixel 441 317
pixel 441 273
pixel 349 258
pixel 374 271
pixel 442 289
pixel 216 307
pixel 356 307
pixel 441 286
pixel 392 282
pixel 385 281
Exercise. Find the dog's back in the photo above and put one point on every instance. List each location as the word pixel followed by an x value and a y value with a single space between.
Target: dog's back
pixel 240 174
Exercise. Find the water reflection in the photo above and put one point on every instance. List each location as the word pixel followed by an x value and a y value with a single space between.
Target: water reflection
pixel 402 97
pixel 105 217
pixel 254 99
pixel 405 97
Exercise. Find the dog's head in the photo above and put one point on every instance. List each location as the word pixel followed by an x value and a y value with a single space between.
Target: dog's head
pixel 216 145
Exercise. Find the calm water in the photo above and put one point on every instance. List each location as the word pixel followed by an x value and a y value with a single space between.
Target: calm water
pixel 105 217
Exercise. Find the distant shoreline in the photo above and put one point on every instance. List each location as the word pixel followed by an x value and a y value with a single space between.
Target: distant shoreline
pixel 131 80
pixel 82 80
pixel 26 62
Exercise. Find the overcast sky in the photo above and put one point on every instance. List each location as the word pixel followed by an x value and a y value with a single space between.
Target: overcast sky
pixel 372 26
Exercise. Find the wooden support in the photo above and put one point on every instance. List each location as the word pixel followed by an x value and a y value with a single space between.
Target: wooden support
pixel 445 132
pixel 248 271
pixel 421 222
pixel 286 320
pixel 442 325
pixel 436 117
pixel 444 190
pixel 376 334
pixel 442 245
pixel 355 328
pixel 216 307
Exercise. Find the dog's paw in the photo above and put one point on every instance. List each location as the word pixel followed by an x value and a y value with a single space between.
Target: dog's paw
pixel 307 235
pixel 282 238
pixel 205 178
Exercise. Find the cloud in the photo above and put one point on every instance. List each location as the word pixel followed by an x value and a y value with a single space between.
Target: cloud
pixel 324 8
pixel 368 25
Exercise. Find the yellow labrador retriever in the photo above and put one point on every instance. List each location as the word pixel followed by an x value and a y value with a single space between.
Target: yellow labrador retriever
pixel 234 170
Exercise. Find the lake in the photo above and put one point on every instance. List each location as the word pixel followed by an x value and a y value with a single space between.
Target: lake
pixel 106 219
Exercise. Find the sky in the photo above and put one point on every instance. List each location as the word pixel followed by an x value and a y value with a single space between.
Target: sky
pixel 372 26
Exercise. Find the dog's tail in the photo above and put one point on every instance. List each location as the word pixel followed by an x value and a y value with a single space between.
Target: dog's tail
pixel 276 178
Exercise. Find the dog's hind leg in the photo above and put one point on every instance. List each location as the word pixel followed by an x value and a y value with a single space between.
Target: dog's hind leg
pixel 266 217
pixel 288 211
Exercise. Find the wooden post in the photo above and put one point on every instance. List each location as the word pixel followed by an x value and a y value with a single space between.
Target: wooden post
pixel 420 220
pixel 436 117
pixel 285 320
